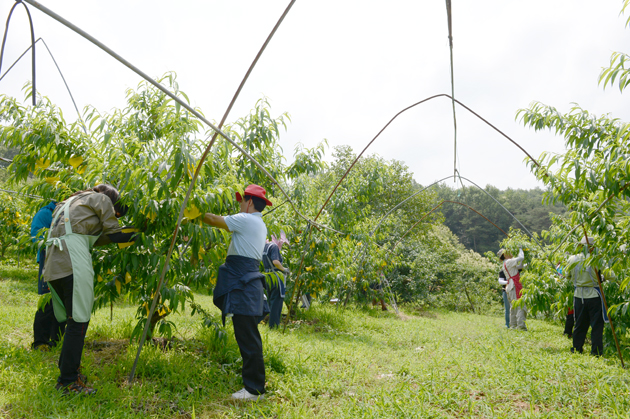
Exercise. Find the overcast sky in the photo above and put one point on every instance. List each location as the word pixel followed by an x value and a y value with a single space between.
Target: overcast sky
pixel 342 69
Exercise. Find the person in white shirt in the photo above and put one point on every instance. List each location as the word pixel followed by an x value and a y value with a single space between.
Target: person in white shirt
pixel 511 266
pixel 240 284
pixel 587 301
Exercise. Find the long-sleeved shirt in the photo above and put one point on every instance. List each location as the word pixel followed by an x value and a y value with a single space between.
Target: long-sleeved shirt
pixel 41 220
pixel 91 214
pixel 510 268
pixel 584 278
pixel 514 264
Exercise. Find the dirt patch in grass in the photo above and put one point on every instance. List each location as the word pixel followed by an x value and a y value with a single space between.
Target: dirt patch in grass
pixel 477 395
pixel 108 351
pixel 421 312
pixel 160 406
pixel 404 317
pixel 519 405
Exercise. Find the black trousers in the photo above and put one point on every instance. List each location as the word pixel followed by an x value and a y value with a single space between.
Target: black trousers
pixel 72 349
pixel 250 345
pixel 588 313
pixel 46 329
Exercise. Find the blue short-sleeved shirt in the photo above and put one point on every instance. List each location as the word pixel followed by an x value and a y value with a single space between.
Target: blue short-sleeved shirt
pixel 248 235
pixel 273 253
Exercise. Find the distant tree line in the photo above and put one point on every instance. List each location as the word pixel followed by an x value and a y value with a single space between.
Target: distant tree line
pixel 476 233
pixel 7 153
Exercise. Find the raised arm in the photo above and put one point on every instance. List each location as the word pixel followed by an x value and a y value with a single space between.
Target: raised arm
pixel 519 259
pixel 215 221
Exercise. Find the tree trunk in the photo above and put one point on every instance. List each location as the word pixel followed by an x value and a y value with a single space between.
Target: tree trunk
pixel 468 296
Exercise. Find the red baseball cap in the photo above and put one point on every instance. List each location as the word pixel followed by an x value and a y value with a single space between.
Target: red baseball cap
pixel 254 190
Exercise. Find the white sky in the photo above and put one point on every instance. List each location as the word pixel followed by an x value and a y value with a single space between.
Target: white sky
pixel 342 69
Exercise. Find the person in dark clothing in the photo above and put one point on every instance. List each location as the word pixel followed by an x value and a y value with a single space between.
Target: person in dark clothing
pixel 87 218
pixel 378 287
pixel 46 329
pixel 276 274
pixel 569 323
pixel 239 289
pixel 587 302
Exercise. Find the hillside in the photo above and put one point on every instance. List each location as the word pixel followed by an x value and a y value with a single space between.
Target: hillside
pixel 476 233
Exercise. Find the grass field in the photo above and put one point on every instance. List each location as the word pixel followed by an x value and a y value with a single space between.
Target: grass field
pixel 355 363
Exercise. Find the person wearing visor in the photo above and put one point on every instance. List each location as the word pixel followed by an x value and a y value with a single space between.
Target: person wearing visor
pixel 587 301
pixel 276 274
pixel 511 268
pixel 240 285
pixel 86 219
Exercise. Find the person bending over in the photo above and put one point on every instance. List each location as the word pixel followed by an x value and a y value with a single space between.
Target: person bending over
pixel 87 218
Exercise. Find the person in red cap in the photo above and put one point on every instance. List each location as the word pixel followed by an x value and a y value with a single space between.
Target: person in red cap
pixel 240 285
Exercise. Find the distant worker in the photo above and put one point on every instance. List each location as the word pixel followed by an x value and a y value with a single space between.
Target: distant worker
pixel 511 266
pixel 87 218
pixel 506 303
pixel 239 289
pixel 276 274
pixel 47 330
pixel 587 302
pixel 569 322
pixel 377 287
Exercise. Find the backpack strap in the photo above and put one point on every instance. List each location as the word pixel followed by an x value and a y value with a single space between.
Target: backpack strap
pixel 266 256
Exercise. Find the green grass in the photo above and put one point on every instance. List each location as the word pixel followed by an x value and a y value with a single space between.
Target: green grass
pixel 353 363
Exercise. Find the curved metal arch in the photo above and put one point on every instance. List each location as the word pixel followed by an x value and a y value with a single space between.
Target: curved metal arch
pixel 4 40
pixel 403 111
pixel 374 139
pixel 58 69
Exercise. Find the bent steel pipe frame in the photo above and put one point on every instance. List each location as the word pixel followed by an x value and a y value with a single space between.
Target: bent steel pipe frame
pixel 372 141
pixel 58 69
pixel 4 40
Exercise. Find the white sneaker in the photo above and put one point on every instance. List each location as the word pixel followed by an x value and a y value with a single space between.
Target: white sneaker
pixel 246 396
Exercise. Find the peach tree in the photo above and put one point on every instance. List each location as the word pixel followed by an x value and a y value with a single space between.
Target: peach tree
pixel 592 178
pixel 149 150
